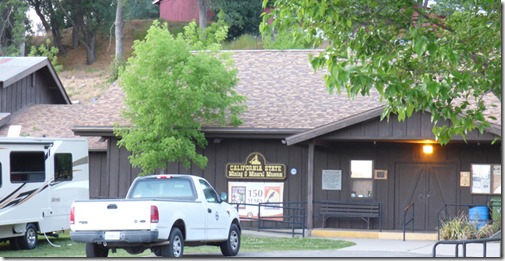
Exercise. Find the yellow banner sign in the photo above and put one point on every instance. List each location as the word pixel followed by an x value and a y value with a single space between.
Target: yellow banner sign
pixel 256 167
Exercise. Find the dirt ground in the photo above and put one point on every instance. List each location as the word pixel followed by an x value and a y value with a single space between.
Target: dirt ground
pixel 84 83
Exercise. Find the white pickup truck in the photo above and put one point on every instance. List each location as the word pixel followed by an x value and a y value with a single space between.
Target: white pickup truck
pixel 162 213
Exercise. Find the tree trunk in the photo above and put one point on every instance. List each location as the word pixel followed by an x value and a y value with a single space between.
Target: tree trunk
pixel 75 36
pixel 51 25
pixel 36 7
pixel 57 40
pixel 202 13
pixel 89 42
pixel 90 48
pixel 119 32
pixel 77 22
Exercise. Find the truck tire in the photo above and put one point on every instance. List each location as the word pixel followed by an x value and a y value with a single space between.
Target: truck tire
pixel 29 240
pixel 231 246
pixel 176 246
pixel 96 250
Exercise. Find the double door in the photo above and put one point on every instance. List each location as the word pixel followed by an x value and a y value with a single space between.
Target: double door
pixel 429 186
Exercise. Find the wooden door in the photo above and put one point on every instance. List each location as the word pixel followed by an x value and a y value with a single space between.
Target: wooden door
pixel 429 186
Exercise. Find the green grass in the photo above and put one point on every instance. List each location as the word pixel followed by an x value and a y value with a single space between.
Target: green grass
pixel 244 42
pixel 68 248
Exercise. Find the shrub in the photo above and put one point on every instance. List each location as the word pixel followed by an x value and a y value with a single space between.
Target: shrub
pixel 460 228
pixel 457 228
pixel 50 52
pixel 243 42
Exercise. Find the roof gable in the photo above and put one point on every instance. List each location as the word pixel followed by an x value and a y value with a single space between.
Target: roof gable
pixel 368 126
pixel 16 68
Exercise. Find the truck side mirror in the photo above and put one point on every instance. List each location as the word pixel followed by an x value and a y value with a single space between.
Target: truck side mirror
pixel 224 196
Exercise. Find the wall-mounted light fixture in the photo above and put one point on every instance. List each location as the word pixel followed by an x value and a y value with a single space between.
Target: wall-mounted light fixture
pixel 427 149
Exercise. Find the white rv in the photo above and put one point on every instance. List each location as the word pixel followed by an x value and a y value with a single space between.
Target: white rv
pixel 39 180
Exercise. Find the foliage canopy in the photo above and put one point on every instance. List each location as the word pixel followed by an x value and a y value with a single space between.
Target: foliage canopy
pixel 172 91
pixel 414 58
pixel 13 24
pixel 242 16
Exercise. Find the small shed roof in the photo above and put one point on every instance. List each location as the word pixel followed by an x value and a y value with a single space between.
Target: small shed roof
pixel 16 68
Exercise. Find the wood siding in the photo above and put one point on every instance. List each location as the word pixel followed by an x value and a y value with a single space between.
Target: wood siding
pixel 428 180
pixel 181 11
pixel 118 174
pixel 115 182
pixel 387 156
pixel 417 127
pixel 36 88
pixel 97 173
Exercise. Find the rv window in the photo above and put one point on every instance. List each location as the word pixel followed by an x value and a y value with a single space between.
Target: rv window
pixel 27 166
pixel 63 166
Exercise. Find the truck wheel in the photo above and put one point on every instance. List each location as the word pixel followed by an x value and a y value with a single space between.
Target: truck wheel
pixel 96 250
pixel 176 246
pixel 231 246
pixel 30 238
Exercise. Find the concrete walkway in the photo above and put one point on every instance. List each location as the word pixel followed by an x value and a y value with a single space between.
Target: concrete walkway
pixel 366 247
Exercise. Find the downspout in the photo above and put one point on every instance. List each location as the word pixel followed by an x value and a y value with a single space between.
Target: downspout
pixel 310 187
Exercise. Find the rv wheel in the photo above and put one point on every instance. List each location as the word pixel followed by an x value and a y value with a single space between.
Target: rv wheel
pixel 29 240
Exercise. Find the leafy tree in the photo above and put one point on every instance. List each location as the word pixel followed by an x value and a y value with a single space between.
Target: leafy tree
pixel 141 10
pixel 96 15
pixel 13 25
pixel 85 17
pixel 171 91
pixel 283 40
pixel 242 16
pixel 414 58
pixel 52 18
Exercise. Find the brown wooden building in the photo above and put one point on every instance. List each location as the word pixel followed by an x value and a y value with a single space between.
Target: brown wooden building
pixel 293 121
pixel 327 147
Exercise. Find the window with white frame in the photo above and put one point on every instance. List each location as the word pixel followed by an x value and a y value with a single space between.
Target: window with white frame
pixel 361 179
pixel 486 179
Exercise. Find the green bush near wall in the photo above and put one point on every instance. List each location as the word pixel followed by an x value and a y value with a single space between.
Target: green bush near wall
pixel 460 228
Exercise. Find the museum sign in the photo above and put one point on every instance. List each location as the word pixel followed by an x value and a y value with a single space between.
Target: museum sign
pixel 256 167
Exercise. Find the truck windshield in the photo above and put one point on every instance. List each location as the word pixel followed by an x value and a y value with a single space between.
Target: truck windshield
pixel 172 188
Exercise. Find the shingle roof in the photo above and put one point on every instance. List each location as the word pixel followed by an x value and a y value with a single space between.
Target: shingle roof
pixel 50 120
pixel 282 91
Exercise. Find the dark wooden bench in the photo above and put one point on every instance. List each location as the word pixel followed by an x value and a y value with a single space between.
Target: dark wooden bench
pixel 351 209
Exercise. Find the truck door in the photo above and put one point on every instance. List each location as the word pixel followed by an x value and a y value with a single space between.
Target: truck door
pixel 217 216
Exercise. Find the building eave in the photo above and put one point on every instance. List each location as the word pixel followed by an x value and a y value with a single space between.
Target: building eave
pixel 325 129
pixel 210 132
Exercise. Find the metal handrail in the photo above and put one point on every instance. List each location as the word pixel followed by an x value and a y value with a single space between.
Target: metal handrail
pixel 295 218
pixel 482 241
pixel 405 210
